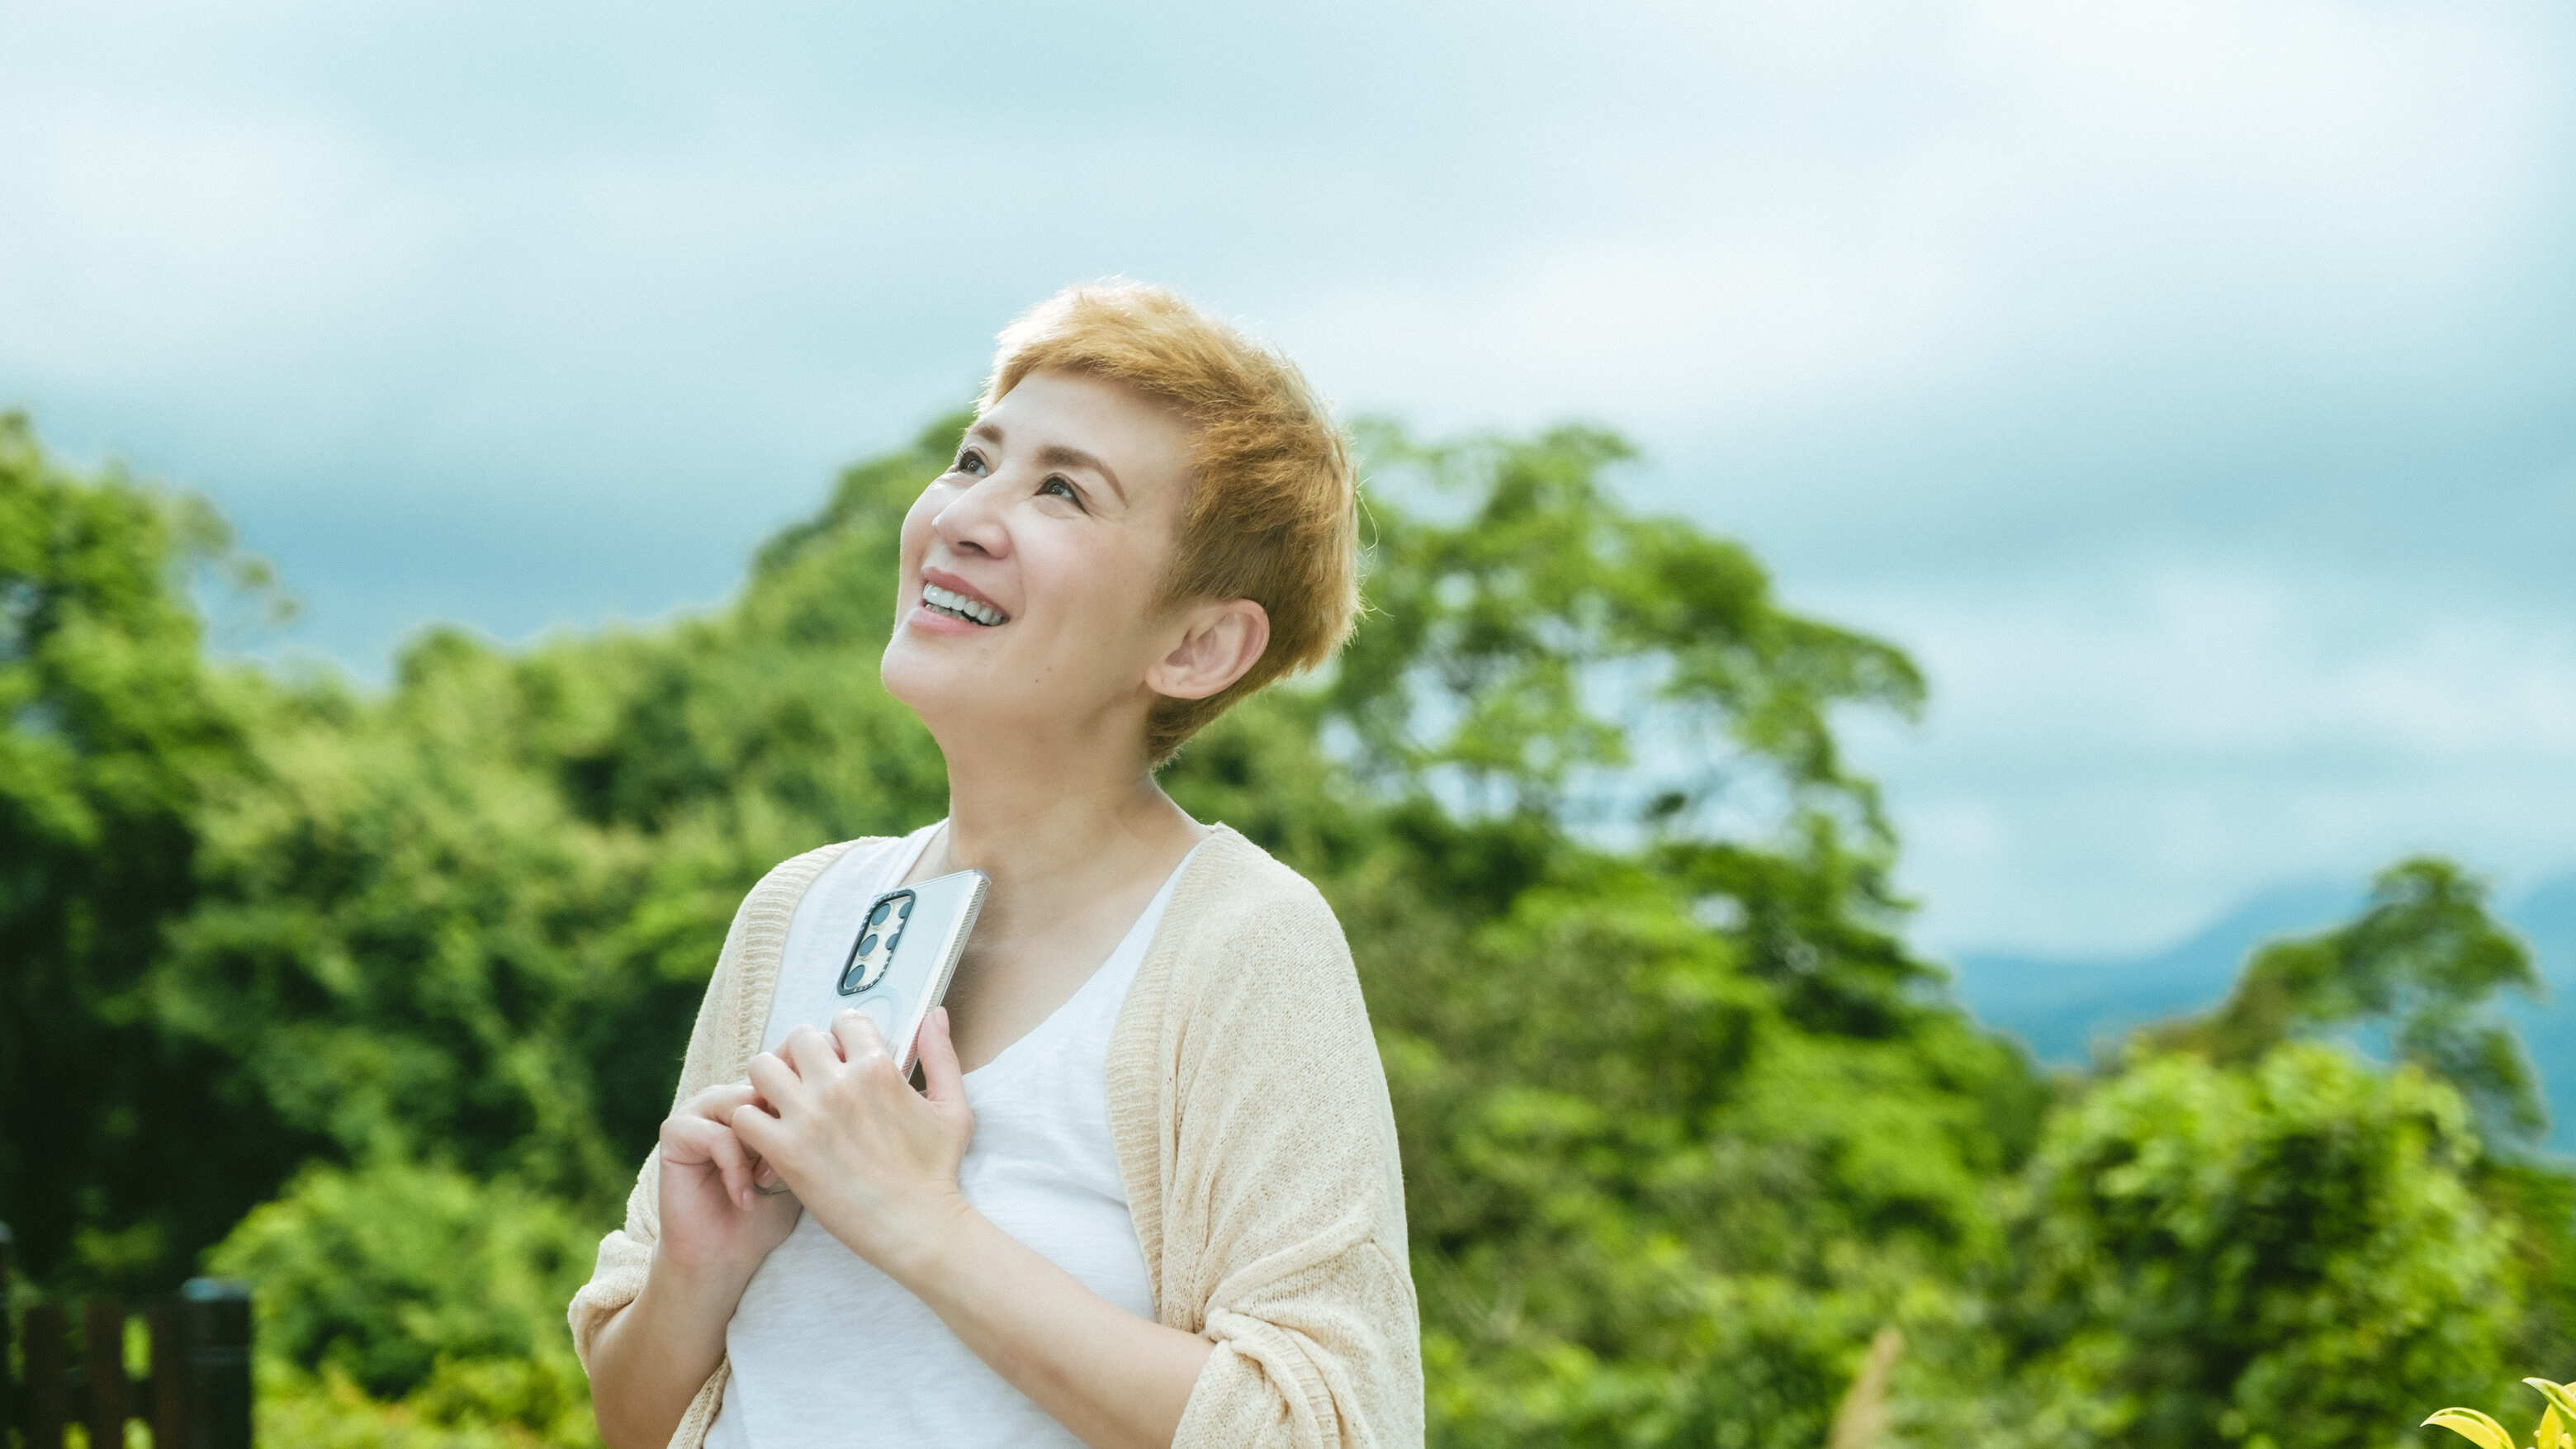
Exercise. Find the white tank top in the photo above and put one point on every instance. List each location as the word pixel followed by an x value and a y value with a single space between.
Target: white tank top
pixel 825 1349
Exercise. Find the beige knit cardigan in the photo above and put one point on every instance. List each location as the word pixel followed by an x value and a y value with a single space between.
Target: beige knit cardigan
pixel 1249 1112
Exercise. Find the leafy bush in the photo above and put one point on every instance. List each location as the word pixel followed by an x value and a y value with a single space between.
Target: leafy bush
pixel 403 1281
pixel 328 1411
pixel 2289 1256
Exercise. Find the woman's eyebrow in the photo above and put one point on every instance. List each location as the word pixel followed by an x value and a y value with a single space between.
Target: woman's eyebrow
pixel 1057 455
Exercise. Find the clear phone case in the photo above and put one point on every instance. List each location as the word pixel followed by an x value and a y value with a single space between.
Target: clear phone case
pixel 907 948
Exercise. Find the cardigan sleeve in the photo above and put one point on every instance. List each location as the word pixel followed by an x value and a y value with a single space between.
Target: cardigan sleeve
pixel 714 1055
pixel 1286 1146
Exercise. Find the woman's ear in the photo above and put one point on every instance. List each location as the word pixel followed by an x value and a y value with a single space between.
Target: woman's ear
pixel 1223 638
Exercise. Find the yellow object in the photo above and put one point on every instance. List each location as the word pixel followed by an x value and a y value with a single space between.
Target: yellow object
pixel 2486 1433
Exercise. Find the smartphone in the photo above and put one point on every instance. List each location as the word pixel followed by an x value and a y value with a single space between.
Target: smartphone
pixel 900 956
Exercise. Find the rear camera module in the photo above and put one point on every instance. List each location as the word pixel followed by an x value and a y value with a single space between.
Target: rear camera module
pixel 874 951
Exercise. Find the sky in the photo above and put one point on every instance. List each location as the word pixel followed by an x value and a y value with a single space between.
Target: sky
pixel 2191 387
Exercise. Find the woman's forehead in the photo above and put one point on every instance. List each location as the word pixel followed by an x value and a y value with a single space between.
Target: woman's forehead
pixel 1137 436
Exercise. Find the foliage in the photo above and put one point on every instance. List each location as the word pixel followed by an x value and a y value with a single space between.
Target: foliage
pixel 1647 1205
pixel 1682 1123
pixel 2536 1202
pixel 473 918
pixel 2288 1254
pixel 2421 966
pixel 2425 958
pixel 115 1162
pixel 1686 1122
pixel 2486 1433
pixel 489 1405
pixel 1512 632
pixel 393 1274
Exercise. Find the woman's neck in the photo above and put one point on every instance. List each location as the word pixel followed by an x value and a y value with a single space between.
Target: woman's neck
pixel 1053 835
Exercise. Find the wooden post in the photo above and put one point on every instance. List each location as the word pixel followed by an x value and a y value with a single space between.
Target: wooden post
pixel 216 1312
pixel 169 1379
pixel 8 1382
pixel 103 1371
pixel 45 1408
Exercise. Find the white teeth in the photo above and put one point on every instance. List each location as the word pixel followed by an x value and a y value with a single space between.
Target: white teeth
pixel 952 602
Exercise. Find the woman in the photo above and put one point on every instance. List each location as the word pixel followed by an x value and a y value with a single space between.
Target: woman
pixel 1149 1192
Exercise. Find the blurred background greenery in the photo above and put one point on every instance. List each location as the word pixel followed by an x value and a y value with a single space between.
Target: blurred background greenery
pixel 374 997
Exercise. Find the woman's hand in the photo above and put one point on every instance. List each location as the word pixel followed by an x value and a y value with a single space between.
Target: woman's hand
pixel 716 1222
pixel 650 1356
pixel 874 1161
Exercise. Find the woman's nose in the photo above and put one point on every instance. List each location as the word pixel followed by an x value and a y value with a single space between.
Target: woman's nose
pixel 972 521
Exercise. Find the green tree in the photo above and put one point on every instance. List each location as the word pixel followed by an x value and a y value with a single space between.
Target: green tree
pixel 470 921
pixel 120 1155
pixel 2288 1254
pixel 1685 1120
pixel 2424 961
pixel 2249 1232
pixel 2420 968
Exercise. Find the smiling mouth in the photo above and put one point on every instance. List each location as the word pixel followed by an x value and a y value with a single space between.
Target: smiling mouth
pixel 958 606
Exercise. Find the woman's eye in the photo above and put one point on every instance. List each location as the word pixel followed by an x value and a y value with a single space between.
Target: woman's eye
pixel 1062 489
pixel 969 461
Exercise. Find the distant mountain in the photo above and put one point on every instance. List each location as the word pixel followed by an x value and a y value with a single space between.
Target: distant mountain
pixel 2547 918
pixel 2061 1008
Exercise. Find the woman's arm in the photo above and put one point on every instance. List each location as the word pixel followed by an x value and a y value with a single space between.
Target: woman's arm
pixel 651 1356
pixel 1280 1233
pixel 648 1360
pixel 631 1257
pixel 1116 1380
pixel 876 1164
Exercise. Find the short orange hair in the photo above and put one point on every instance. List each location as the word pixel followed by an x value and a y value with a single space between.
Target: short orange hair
pixel 1273 512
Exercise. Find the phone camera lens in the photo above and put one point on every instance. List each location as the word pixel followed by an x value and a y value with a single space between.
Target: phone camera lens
pixel 877 916
pixel 867 944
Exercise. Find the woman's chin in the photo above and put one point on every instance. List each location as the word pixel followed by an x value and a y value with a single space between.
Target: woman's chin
pixel 929 680
pixel 903 672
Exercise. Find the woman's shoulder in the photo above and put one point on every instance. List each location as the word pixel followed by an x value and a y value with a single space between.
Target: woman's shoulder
pixel 1258 981
pixel 787 880
pixel 1235 887
pixel 1251 932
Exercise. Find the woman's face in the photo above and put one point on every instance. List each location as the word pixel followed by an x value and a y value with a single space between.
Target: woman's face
pixel 1030 566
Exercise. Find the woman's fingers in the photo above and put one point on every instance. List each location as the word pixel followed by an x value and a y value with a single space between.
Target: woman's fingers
pixel 758 1130
pixel 809 1051
pixel 858 1036
pixel 690 1138
pixel 773 1079
pixel 716 1104
pixel 941 1078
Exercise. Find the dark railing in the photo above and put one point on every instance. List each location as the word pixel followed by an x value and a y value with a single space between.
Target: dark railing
pixel 195 1396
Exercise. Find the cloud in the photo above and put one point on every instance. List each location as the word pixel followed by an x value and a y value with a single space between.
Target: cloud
pixel 2113 768
pixel 2196 660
